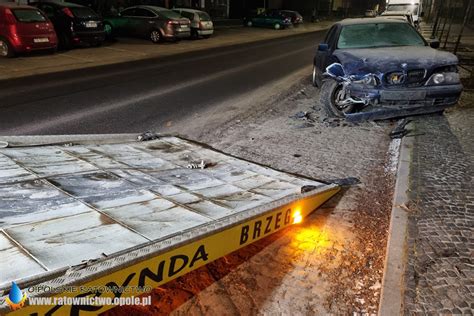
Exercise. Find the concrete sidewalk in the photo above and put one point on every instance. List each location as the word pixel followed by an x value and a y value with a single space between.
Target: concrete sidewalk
pixel 128 49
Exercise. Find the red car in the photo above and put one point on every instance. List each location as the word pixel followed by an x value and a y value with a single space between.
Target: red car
pixel 24 29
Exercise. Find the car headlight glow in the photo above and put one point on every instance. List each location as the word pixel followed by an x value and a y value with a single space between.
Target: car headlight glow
pixel 369 81
pixel 444 78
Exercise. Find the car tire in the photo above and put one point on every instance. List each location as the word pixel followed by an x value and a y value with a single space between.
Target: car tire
pixel 65 42
pixel 155 36
pixel 206 36
pixel 194 34
pixel 109 31
pixel 316 78
pixel 6 50
pixel 249 24
pixel 277 26
pixel 327 97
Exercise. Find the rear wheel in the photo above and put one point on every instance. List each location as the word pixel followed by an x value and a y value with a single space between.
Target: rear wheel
pixel 206 36
pixel 6 50
pixel 331 99
pixel 249 23
pixel 194 34
pixel 65 42
pixel 155 36
pixel 277 26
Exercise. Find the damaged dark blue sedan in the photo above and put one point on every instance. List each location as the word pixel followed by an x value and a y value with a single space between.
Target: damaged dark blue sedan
pixel 380 68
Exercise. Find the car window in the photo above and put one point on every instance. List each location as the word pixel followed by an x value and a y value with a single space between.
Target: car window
pixel 47 9
pixel 28 15
pixel 379 35
pixel 203 16
pixel 83 12
pixel 144 13
pixel 170 14
pixel 128 12
pixel 188 15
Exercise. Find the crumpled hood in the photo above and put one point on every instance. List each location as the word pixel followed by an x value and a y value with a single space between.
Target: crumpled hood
pixel 383 60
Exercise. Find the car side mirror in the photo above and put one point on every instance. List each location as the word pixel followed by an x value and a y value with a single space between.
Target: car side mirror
pixel 323 47
pixel 434 44
pixel 335 70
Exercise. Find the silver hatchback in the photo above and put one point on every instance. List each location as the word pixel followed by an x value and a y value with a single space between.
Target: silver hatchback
pixel 201 23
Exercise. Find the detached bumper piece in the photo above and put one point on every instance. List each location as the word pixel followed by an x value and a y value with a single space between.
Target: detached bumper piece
pixel 85 212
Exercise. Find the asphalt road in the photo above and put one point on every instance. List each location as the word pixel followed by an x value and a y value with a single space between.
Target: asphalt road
pixel 144 95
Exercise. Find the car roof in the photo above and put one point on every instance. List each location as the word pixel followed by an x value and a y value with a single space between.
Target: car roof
pixel 61 4
pixel 13 5
pixel 149 7
pixel 367 21
pixel 189 10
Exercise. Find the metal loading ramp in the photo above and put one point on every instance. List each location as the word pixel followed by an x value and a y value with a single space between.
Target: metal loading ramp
pixel 94 211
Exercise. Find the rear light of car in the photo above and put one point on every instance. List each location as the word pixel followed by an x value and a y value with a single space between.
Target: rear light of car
pixel 12 27
pixel 9 17
pixel 68 12
pixel 172 22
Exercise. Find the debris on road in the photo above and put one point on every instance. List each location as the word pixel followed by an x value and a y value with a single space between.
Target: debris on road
pixel 400 131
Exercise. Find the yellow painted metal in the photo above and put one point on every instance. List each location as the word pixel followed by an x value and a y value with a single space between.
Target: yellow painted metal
pixel 167 266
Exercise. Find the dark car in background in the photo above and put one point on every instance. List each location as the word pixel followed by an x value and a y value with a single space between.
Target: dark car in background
pixel 273 19
pixel 74 24
pixel 24 29
pixel 296 18
pixel 151 22
pixel 384 66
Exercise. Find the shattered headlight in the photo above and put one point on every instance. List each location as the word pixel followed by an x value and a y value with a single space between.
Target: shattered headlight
pixel 368 80
pixel 444 78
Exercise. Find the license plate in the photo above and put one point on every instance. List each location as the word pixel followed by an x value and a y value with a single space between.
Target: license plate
pixel 403 95
pixel 91 24
pixel 41 40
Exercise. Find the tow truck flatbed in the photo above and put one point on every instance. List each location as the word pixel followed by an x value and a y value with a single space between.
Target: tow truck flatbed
pixel 101 210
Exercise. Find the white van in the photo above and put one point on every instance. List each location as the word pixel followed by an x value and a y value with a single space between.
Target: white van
pixel 411 6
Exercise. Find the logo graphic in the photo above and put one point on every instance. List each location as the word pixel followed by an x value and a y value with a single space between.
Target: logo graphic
pixel 16 298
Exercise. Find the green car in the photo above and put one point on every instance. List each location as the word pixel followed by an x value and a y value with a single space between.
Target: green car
pixel 271 19
pixel 154 23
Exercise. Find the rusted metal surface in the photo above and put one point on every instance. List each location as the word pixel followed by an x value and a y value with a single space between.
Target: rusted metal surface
pixel 63 205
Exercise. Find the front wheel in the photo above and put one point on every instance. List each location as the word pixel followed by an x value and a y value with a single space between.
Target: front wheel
pixel 316 78
pixel 332 97
pixel 155 36
pixel 6 49
pixel 277 26
pixel 249 23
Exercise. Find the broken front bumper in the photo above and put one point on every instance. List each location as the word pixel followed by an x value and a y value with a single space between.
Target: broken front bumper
pixel 390 103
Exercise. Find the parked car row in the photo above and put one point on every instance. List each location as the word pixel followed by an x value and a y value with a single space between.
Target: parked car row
pixel 49 25
pixel 276 19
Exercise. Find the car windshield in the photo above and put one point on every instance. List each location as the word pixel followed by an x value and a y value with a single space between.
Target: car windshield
pixel 28 15
pixel 204 16
pixel 83 12
pixel 170 14
pixel 412 8
pixel 379 35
